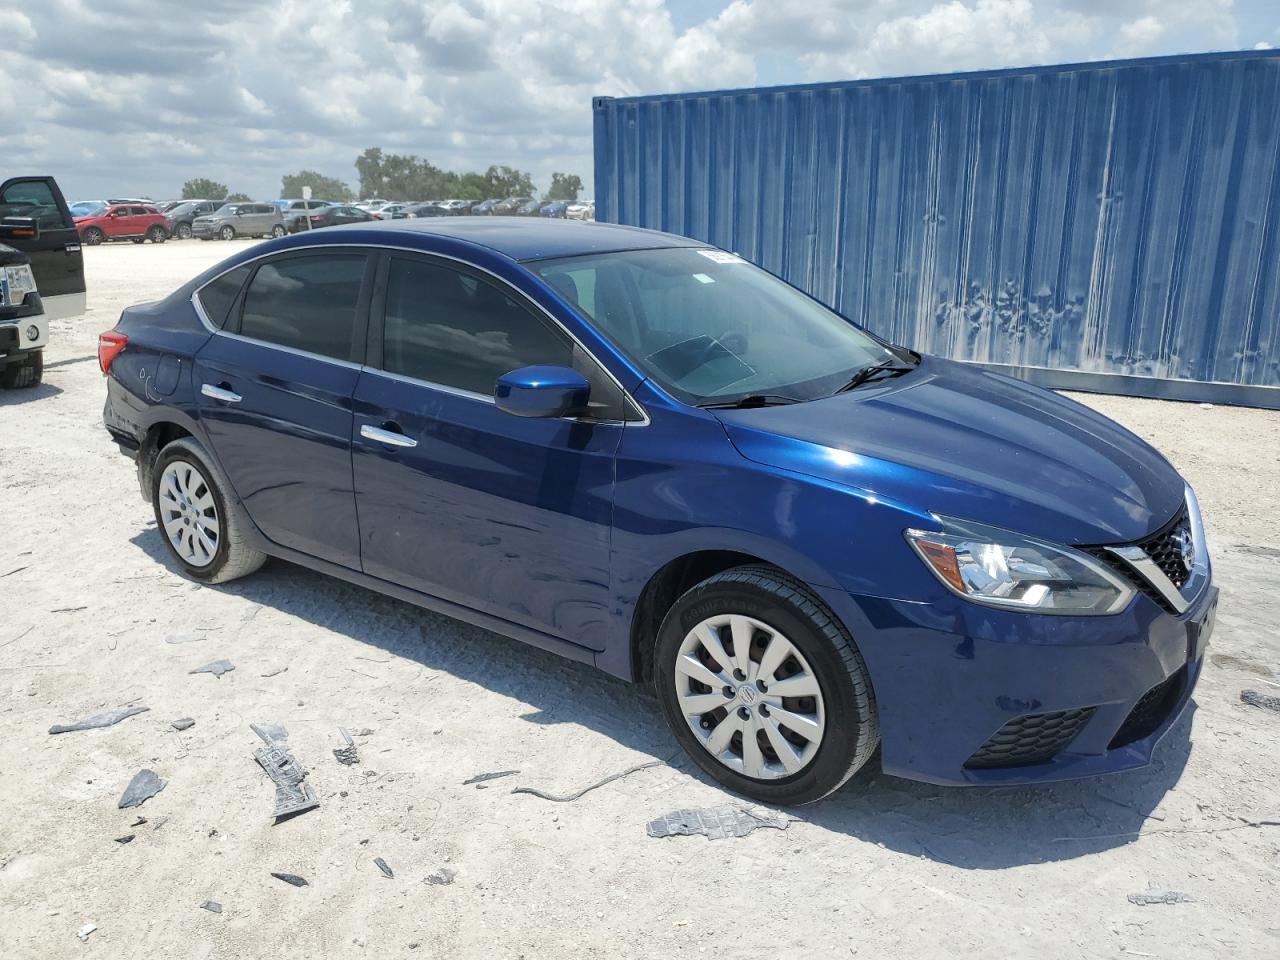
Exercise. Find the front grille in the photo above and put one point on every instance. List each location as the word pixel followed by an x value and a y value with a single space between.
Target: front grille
pixel 1164 547
pixel 1151 710
pixel 1030 739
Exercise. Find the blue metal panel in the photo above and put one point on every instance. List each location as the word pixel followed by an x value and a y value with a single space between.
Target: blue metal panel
pixel 1106 226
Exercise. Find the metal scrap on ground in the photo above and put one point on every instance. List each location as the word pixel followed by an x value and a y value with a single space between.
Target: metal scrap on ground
pixel 183 723
pixel 715 823
pixel 442 877
pixel 1251 697
pixel 142 788
pixel 382 865
pixel 1159 896
pixel 346 755
pixel 213 906
pixel 110 718
pixel 290 878
pixel 570 797
pixel 127 838
pixel 217 668
pixel 293 794
pixel 482 777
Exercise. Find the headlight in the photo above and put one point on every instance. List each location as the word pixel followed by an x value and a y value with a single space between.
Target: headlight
pixel 1001 568
pixel 21 282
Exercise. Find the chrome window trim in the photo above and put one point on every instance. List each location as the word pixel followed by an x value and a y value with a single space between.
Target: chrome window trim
pixel 505 285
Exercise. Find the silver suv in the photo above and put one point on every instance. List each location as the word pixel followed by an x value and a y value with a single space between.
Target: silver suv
pixel 233 220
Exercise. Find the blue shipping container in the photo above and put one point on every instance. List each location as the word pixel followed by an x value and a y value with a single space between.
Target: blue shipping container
pixel 1105 226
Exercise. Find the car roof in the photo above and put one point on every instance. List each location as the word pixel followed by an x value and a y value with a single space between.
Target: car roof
pixel 524 239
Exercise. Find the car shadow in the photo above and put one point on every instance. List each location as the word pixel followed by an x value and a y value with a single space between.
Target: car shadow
pixel 978 828
pixel 42 391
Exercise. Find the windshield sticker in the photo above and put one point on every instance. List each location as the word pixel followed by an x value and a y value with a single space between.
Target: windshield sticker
pixel 720 256
pixel 702 278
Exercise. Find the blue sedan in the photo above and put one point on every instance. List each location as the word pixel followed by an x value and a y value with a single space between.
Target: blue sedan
pixel 647 454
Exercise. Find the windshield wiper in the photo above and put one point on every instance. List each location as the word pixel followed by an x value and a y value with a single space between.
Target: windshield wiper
pixel 888 367
pixel 751 401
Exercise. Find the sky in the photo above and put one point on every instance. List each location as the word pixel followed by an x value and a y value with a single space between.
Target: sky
pixel 132 98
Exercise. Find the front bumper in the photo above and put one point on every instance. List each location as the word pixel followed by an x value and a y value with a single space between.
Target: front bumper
pixel 21 332
pixel 199 229
pixel 951 681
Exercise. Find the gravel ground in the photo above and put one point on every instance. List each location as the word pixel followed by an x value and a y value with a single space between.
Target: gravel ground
pixel 95 619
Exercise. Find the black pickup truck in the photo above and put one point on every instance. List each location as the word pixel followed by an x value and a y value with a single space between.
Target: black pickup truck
pixel 41 274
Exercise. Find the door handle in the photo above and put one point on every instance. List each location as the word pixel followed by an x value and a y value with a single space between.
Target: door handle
pixel 392 438
pixel 220 393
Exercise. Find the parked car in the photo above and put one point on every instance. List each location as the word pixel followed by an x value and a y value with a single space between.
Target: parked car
pixel 87 208
pixel 429 209
pixel 372 202
pixel 485 207
pixel 581 210
pixel 144 201
pixel 233 220
pixel 508 207
pixel 647 454
pixel 529 209
pixel 338 215
pixel 178 219
pixel 123 221
pixel 555 209
pixel 41 274
pixel 392 211
pixel 295 212
pixel 166 205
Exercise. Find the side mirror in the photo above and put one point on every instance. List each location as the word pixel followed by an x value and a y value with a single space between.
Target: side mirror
pixel 542 392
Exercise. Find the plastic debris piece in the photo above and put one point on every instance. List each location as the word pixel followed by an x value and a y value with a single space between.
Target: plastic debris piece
pixel 139 822
pixel 183 723
pixel 127 838
pixel 1251 697
pixel 442 877
pixel 1159 896
pixel 217 668
pixel 482 777
pixel 83 932
pixel 293 794
pixel 276 672
pixel 570 797
pixel 213 906
pixel 715 823
pixel 142 788
pixel 382 865
pixel 290 878
pixel 346 755
pixel 182 638
pixel 110 718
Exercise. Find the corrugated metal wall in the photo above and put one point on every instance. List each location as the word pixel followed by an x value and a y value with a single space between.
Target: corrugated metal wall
pixel 1111 226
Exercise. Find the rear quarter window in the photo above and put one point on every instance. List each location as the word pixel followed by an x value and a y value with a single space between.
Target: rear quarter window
pixel 217 296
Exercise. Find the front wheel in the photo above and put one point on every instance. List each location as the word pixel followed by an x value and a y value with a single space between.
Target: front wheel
pixel 203 526
pixel 25 373
pixel 764 687
pixel 157 234
pixel 93 236
pixel 183 231
pixel 228 232
pixel 277 231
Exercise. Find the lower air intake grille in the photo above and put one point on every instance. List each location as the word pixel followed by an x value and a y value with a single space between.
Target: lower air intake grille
pixel 1149 712
pixel 1034 738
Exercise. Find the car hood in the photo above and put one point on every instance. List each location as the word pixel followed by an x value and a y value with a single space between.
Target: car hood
pixel 960 441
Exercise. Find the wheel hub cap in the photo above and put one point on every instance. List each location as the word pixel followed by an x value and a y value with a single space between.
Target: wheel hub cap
pixel 189 513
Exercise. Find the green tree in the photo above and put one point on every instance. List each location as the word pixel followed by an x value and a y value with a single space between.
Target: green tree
pixel 506 181
pixel 202 188
pixel 564 186
pixel 408 177
pixel 322 187
pixel 238 198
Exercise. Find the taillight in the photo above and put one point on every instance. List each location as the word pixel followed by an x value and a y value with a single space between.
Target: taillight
pixel 109 346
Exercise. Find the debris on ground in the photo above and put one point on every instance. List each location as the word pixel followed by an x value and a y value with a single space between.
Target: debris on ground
pixel 183 638
pixel 217 668
pixel 290 878
pixel 346 755
pixel 442 877
pixel 183 723
pixel 482 777
pixel 1251 697
pixel 83 932
pixel 276 672
pixel 213 906
pixel 293 794
pixel 1159 896
pixel 139 822
pixel 715 823
pixel 570 797
pixel 144 785
pixel 382 865
pixel 127 838
pixel 110 718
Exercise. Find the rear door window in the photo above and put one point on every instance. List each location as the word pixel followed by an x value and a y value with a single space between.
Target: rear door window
pixel 308 303
pixel 32 198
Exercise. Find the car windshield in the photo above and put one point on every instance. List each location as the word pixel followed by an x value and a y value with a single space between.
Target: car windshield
pixel 181 208
pixel 87 208
pixel 709 327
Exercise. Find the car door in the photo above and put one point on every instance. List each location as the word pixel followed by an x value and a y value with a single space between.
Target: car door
pixel 457 499
pixel 275 386
pixel 52 246
pixel 264 218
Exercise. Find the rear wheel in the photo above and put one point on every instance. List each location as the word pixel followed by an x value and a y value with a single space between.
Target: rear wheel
pixel 24 373
pixel 203 526
pixel 93 236
pixel 183 231
pixel 277 231
pixel 764 687
pixel 228 232
pixel 157 234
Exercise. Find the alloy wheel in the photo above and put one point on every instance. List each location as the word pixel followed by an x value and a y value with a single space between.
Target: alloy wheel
pixel 228 232
pixel 184 231
pixel 93 236
pixel 750 697
pixel 189 513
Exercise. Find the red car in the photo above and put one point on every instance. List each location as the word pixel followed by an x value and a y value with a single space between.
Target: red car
pixel 123 221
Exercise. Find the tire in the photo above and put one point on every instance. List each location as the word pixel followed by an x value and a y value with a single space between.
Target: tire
pixel 770 605
pixel 157 234
pixel 23 374
pixel 183 231
pixel 228 232
pixel 277 231
pixel 93 236
pixel 137 239
pixel 205 488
